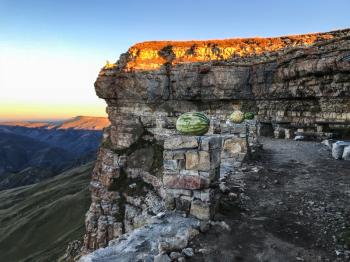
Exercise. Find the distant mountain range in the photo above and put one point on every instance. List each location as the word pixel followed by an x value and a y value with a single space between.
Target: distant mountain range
pixel 33 151
pixel 77 123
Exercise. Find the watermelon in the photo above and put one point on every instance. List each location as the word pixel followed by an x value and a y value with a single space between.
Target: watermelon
pixel 193 123
pixel 237 117
pixel 249 115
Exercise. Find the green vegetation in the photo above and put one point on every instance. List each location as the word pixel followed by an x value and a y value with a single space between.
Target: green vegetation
pixel 38 221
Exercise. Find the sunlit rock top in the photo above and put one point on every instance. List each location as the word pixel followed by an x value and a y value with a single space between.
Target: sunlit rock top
pixel 153 54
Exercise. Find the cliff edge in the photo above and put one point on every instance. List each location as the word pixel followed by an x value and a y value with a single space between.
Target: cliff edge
pixel 293 84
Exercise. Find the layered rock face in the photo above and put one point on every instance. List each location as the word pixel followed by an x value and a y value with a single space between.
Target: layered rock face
pixel 289 82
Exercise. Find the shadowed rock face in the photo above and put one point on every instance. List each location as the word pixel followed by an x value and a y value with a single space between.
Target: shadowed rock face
pixel 297 81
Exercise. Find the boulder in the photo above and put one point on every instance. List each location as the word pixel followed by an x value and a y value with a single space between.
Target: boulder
pixel 338 149
pixel 162 258
pixel 346 153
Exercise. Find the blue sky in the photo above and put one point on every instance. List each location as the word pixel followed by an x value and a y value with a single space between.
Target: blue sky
pixel 89 32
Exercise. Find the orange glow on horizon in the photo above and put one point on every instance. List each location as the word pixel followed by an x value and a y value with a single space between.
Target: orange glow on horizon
pixel 37 112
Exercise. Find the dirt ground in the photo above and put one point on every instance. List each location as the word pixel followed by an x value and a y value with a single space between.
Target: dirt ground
pixel 293 204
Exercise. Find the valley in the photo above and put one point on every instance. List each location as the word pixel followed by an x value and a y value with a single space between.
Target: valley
pixel 33 151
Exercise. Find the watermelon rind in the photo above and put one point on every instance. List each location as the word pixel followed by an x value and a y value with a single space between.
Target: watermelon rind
pixel 193 123
pixel 249 115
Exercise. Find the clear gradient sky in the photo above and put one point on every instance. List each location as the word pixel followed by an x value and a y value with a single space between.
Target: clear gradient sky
pixel 51 50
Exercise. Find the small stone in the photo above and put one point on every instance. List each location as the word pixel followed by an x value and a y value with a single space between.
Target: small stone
pixel 233 195
pixel 200 210
pixel 223 188
pixel 188 252
pixel 204 251
pixel 172 243
pixel 181 259
pixel 160 215
pixel 162 258
pixel 192 232
pixel 299 138
pixel 175 255
pixel 204 226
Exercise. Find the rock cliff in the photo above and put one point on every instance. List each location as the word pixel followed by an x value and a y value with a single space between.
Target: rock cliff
pixel 295 82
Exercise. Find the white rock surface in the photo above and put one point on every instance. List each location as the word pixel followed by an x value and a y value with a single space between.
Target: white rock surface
pixel 338 149
pixel 143 242
pixel 346 153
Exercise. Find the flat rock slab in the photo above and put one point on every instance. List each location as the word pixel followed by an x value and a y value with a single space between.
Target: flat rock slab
pixel 143 242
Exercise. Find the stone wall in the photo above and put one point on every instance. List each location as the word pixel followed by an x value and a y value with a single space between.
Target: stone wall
pixel 191 170
pixel 193 166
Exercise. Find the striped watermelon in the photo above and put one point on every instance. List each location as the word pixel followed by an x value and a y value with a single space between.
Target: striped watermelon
pixel 249 115
pixel 193 123
pixel 237 117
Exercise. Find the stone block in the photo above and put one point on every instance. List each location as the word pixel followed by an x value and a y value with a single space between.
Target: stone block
pixel 279 133
pixel 182 204
pixel 288 133
pixel 205 160
pixel 179 192
pixel 205 195
pixel 181 164
pixel 192 160
pixel 215 159
pixel 209 143
pixel 171 173
pixel 181 142
pixel 233 161
pixel 233 146
pixel 170 165
pixel 169 202
pixel 202 160
pixel 168 155
pixel 212 175
pixel 201 210
pixel 178 155
pixel 239 128
pixel 185 182
pixel 185 172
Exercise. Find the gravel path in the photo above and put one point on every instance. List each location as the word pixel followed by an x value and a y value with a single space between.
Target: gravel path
pixel 293 205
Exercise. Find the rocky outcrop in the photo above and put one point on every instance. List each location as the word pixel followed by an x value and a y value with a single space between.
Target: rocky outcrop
pixel 163 235
pixel 297 82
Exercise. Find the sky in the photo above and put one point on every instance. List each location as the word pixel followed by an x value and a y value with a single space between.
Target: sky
pixel 52 50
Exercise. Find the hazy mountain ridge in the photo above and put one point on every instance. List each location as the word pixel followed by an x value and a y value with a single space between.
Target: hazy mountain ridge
pixel 78 122
pixel 46 147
